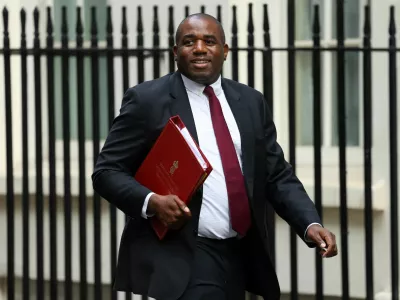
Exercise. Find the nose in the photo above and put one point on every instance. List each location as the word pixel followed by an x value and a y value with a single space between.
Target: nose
pixel 200 47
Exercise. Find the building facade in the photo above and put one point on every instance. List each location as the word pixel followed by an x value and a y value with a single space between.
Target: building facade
pixel 278 20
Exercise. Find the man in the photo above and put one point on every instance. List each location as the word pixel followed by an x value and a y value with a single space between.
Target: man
pixel 217 245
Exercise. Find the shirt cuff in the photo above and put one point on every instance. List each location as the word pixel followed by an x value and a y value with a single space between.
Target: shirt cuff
pixel 145 204
pixel 305 233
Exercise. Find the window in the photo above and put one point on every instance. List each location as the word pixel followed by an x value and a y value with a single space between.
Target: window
pixel 101 28
pixel 304 85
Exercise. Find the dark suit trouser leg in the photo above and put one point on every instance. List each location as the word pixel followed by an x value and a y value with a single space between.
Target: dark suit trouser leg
pixel 217 272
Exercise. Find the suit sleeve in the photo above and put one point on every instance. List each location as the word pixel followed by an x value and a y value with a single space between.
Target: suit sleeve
pixel 121 155
pixel 283 189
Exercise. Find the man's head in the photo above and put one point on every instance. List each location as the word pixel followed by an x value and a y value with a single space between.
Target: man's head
pixel 200 48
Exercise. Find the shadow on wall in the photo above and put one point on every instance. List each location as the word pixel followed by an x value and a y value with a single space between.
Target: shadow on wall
pixel 312 297
pixel 106 291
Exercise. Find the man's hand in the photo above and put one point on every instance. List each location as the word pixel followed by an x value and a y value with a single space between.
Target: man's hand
pixel 170 210
pixel 324 239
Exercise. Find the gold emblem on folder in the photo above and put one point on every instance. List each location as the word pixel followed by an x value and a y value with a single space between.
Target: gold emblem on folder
pixel 174 167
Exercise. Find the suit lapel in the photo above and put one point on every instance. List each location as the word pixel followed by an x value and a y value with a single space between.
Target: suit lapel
pixel 180 104
pixel 242 116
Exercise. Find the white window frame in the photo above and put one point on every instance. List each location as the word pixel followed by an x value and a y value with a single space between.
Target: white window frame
pixel 74 142
pixel 329 152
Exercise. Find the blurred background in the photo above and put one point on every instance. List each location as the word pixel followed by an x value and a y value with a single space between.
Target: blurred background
pixel 327 68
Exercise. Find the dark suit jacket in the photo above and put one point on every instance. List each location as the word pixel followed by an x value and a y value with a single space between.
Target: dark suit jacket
pixel 161 269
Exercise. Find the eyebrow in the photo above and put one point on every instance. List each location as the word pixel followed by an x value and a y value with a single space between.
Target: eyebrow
pixel 208 36
pixel 188 36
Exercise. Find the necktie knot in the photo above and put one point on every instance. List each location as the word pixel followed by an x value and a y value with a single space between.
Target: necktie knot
pixel 208 90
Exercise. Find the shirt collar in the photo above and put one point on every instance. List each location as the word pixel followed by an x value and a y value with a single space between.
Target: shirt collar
pixel 198 88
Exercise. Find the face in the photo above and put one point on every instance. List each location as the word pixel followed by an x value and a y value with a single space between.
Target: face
pixel 200 50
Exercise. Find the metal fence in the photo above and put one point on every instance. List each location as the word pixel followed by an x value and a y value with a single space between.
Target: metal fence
pixel 94 54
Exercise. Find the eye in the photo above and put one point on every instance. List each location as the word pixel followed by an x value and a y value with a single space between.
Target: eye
pixel 188 42
pixel 210 42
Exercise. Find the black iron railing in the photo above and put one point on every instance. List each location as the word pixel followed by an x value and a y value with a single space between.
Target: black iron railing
pixel 158 54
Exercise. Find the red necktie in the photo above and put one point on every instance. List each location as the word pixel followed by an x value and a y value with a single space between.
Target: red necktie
pixel 238 201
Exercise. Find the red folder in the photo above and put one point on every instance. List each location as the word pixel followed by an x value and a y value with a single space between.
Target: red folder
pixel 175 165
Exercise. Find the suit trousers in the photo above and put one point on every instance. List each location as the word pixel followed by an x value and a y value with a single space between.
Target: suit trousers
pixel 218 271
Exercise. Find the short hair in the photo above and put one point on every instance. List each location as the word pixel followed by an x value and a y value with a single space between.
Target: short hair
pixel 201 15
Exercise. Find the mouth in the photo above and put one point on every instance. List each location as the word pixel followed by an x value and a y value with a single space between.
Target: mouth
pixel 200 63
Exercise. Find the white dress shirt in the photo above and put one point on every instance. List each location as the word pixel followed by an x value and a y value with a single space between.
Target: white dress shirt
pixel 214 220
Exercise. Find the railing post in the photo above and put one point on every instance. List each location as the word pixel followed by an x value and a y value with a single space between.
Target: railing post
pixel 66 154
pixel 39 160
pixel 25 159
pixel 292 135
pixel 316 58
pixel 140 43
pixel 52 159
pixel 82 157
pixel 9 161
pixel 341 109
pixel 125 55
pixel 171 38
pixel 156 44
pixel 367 83
pixel 394 222
pixel 250 45
pixel 96 150
pixel 235 53
pixel 111 103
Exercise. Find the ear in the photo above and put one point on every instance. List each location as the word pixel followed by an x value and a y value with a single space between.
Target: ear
pixel 226 51
pixel 175 51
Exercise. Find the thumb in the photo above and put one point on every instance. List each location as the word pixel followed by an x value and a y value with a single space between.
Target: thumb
pixel 320 241
pixel 181 204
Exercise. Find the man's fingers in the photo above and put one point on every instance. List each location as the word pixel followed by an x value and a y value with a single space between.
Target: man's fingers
pixel 319 240
pixel 183 206
pixel 331 249
pixel 326 244
pixel 324 240
pixel 174 209
pixel 329 240
pixel 176 213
